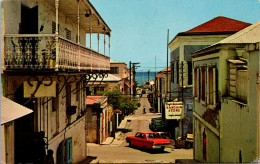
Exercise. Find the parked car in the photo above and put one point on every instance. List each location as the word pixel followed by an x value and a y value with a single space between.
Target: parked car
pixel 184 142
pixel 157 124
pixel 148 140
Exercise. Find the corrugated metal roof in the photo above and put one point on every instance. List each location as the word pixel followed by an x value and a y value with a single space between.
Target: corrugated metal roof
pixel 110 77
pixel 250 34
pixel 11 110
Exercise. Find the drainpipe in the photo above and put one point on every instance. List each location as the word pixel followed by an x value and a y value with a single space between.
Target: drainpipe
pixel 57 34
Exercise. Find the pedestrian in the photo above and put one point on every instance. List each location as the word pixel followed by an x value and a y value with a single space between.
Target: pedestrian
pixel 144 110
pixel 49 157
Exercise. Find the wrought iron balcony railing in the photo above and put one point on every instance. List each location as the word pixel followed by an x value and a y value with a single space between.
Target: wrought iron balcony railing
pixel 42 51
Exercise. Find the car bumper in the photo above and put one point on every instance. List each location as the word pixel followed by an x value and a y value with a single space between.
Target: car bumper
pixel 161 146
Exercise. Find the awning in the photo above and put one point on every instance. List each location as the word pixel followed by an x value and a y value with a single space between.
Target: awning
pixel 11 110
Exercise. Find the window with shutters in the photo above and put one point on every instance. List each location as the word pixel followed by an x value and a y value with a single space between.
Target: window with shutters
pixel 177 72
pixel 172 72
pixel 196 89
pixel 211 86
pixel 203 84
pixel 68 34
pixel 189 72
pixel 114 70
pixel 238 80
pixel 53 29
pixel 68 149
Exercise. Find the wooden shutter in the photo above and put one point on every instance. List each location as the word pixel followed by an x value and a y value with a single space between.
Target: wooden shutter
pixel 68 149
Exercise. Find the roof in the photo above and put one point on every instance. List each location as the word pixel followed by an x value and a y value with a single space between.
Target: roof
pixel 167 70
pixel 159 75
pixel 91 100
pixel 220 24
pixel 251 34
pixel 11 110
pixel 114 61
pixel 110 78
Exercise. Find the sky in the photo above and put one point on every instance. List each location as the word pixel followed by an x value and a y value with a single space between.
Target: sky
pixel 139 27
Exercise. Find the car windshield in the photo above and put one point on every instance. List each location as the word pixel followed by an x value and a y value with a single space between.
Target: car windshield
pixel 153 135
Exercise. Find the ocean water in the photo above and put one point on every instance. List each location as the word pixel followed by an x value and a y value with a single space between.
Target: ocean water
pixel 142 77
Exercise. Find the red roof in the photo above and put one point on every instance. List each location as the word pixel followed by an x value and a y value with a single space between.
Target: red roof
pixel 220 24
pixel 90 100
pixel 165 70
pixel 159 75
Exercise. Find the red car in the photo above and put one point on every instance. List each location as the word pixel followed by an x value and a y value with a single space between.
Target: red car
pixel 148 140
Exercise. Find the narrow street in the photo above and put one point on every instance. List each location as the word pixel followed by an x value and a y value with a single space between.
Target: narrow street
pixel 118 150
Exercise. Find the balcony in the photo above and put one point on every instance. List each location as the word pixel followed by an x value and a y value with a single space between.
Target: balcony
pixel 46 52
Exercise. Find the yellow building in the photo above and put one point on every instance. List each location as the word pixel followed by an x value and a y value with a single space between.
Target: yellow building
pixel 182 45
pixel 44 66
pixel 226 99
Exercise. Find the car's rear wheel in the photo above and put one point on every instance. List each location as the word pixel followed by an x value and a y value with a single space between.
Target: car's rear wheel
pixel 145 148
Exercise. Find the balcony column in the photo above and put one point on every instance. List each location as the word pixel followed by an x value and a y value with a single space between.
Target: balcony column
pixel 78 37
pixel 109 44
pixel 98 36
pixel 90 31
pixel 104 44
pixel 57 34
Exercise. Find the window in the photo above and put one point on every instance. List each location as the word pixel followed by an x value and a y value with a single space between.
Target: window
pixel 196 83
pixel 211 86
pixel 114 70
pixel 172 72
pixel 238 80
pixel 77 91
pixel 68 148
pixel 189 72
pixel 55 100
pixel 177 72
pixel 68 94
pixel 68 34
pixel 203 84
pixel 54 27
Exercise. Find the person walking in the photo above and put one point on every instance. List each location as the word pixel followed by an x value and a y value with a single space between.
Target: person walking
pixel 144 110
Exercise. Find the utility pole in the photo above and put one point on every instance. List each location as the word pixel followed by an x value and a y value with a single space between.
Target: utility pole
pixel 130 65
pixel 134 87
pixel 148 75
pixel 166 95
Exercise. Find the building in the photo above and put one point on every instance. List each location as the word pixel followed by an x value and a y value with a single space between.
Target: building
pixel 182 45
pixel 44 66
pixel 120 70
pixel 226 99
pixel 98 85
pixel 162 85
pixel 97 119
pixel 10 111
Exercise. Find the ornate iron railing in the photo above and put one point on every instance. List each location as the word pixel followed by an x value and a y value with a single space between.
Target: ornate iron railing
pixel 41 51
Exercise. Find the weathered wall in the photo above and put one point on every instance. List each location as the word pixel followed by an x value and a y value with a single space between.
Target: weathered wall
pixel 91 126
pixel 122 69
pixel 212 144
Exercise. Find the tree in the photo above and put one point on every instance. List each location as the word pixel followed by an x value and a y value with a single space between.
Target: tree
pixel 120 101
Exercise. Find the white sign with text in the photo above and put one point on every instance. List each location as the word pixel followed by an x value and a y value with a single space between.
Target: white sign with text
pixel 174 110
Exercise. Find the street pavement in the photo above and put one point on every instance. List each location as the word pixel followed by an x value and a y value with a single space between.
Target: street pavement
pixel 116 150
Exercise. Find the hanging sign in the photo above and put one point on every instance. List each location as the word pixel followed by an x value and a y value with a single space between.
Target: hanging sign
pixel 174 110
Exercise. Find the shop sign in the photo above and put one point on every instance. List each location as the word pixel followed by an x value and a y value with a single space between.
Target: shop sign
pixel 174 110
